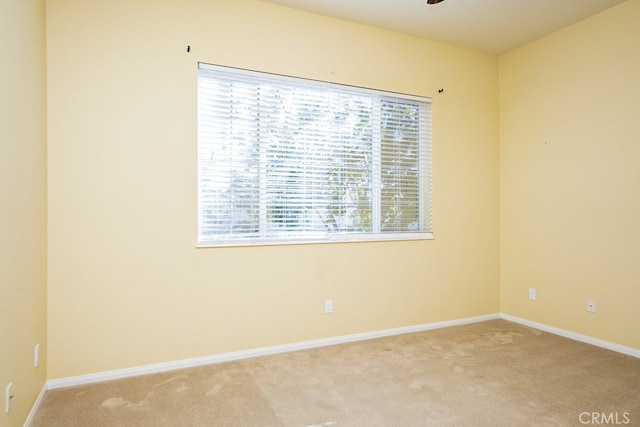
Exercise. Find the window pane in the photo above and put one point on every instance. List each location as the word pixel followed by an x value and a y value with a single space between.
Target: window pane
pixel 399 169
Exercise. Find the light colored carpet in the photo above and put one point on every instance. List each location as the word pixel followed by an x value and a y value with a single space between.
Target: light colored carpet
pixel 494 373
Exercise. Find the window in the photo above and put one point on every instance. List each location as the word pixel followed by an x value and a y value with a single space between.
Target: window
pixel 287 160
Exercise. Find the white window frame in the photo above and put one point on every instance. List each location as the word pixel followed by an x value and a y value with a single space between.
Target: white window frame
pixel 424 189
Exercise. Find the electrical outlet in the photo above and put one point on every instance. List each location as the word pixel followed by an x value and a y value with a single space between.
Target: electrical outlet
pixel 532 294
pixel 591 305
pixel 36 355
pixel 328 306
pixel 8 397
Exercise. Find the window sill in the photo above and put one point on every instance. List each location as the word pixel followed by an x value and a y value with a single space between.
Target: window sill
pixel 334 238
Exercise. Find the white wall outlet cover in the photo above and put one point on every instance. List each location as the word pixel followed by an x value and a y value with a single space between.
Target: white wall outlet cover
pixel 8 397
pixel 328 306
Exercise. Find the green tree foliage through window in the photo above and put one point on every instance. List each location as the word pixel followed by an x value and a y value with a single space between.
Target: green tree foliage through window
pixel 286 160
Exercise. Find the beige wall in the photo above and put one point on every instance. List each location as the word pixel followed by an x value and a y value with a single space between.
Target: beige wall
pixel 570 177
pixel 127 286
pixel 23 204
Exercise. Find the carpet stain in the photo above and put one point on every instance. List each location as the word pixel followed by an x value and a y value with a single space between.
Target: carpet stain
pixel 121 403
pixel 463 349
pixel 181 388
pixel 505 338
pixel 172 379
pixel 214 391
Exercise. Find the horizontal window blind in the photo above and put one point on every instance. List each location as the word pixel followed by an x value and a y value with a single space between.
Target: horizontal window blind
pixel 286 160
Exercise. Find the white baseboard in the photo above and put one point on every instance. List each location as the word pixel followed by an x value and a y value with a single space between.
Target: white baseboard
pixel 630 351
pixel 263 351
pixel 304 345
pixel 35 406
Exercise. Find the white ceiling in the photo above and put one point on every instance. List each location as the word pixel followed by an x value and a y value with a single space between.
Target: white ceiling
pixel 494 26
